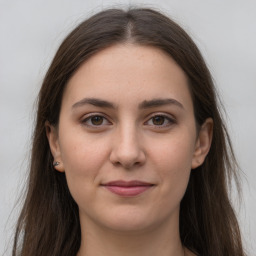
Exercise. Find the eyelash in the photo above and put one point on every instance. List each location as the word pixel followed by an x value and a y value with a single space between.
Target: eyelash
pixel 89 119
pixel 168 121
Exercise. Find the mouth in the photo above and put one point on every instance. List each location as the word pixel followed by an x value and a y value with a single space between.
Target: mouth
pixel 127 188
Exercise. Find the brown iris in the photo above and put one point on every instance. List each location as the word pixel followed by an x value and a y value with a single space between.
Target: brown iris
pixel 158 120
pixel 97 120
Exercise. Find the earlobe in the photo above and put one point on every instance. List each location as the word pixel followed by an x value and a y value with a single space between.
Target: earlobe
pixel 203 143
pixel 52 135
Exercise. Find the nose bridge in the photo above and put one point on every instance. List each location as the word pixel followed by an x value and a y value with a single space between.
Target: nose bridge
pixel 127 149
pixel 128 139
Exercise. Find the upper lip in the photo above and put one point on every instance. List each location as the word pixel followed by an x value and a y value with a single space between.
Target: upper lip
pixel 132 183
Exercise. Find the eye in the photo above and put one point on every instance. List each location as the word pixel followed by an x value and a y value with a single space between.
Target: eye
pixel 95 120
pixel 160 121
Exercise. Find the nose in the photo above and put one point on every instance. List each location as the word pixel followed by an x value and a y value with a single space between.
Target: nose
pixel 127 150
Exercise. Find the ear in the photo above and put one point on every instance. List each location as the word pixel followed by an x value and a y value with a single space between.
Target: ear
pixel 203 143
pixel 53 139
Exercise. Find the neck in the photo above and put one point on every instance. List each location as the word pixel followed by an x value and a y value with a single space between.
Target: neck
pixel 161 240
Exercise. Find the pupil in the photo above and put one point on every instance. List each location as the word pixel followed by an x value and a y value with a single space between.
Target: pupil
pixel 158 120
pixel 97 120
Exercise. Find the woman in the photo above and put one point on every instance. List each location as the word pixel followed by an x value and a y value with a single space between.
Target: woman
pixel 130 154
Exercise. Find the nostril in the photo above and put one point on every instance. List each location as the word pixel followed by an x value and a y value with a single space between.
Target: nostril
pixel 127 163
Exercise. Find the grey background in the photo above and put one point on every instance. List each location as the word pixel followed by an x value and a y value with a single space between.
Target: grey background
pixel 31 31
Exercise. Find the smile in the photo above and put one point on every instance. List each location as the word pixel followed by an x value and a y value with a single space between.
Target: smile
pixel 127 188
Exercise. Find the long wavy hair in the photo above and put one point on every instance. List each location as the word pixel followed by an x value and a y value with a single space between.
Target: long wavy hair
pixel 49 221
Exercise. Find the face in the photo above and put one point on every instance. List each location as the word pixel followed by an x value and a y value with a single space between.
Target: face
pixel 127 138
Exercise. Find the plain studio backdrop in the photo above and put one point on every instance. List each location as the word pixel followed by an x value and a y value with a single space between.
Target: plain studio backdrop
pixel 31 31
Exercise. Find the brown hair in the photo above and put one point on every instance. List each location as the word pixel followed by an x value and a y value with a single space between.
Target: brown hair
pixel 49 221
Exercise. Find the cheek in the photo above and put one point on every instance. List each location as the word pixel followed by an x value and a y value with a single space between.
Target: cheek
pixel 82 163
pixel 175 152
pixel 173 159
pixel 81 153
pixel 83 159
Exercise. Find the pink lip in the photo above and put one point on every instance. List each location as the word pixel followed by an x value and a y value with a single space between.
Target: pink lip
pixel 127 188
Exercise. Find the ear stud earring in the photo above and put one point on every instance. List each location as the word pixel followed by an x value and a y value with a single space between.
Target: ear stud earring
pixel 56 163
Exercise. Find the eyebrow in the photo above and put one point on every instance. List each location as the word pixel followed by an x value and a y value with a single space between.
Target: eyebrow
pixel 144 105
pixel 94 102
pixel 159 102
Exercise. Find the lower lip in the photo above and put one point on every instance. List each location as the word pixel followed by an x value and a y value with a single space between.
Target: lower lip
pixel 128 191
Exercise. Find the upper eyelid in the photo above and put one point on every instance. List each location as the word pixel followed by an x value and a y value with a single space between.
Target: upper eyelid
pixel 109 119
pixel 171 120
pixel 169 116
pixel 92 114
pixel 87 117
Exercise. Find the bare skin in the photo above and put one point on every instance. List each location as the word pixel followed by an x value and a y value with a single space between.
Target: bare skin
pixel 127 115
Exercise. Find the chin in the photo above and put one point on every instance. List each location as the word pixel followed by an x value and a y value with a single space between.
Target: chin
pixel 130 221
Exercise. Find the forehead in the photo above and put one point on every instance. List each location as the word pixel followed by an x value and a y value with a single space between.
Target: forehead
pixel 136 72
